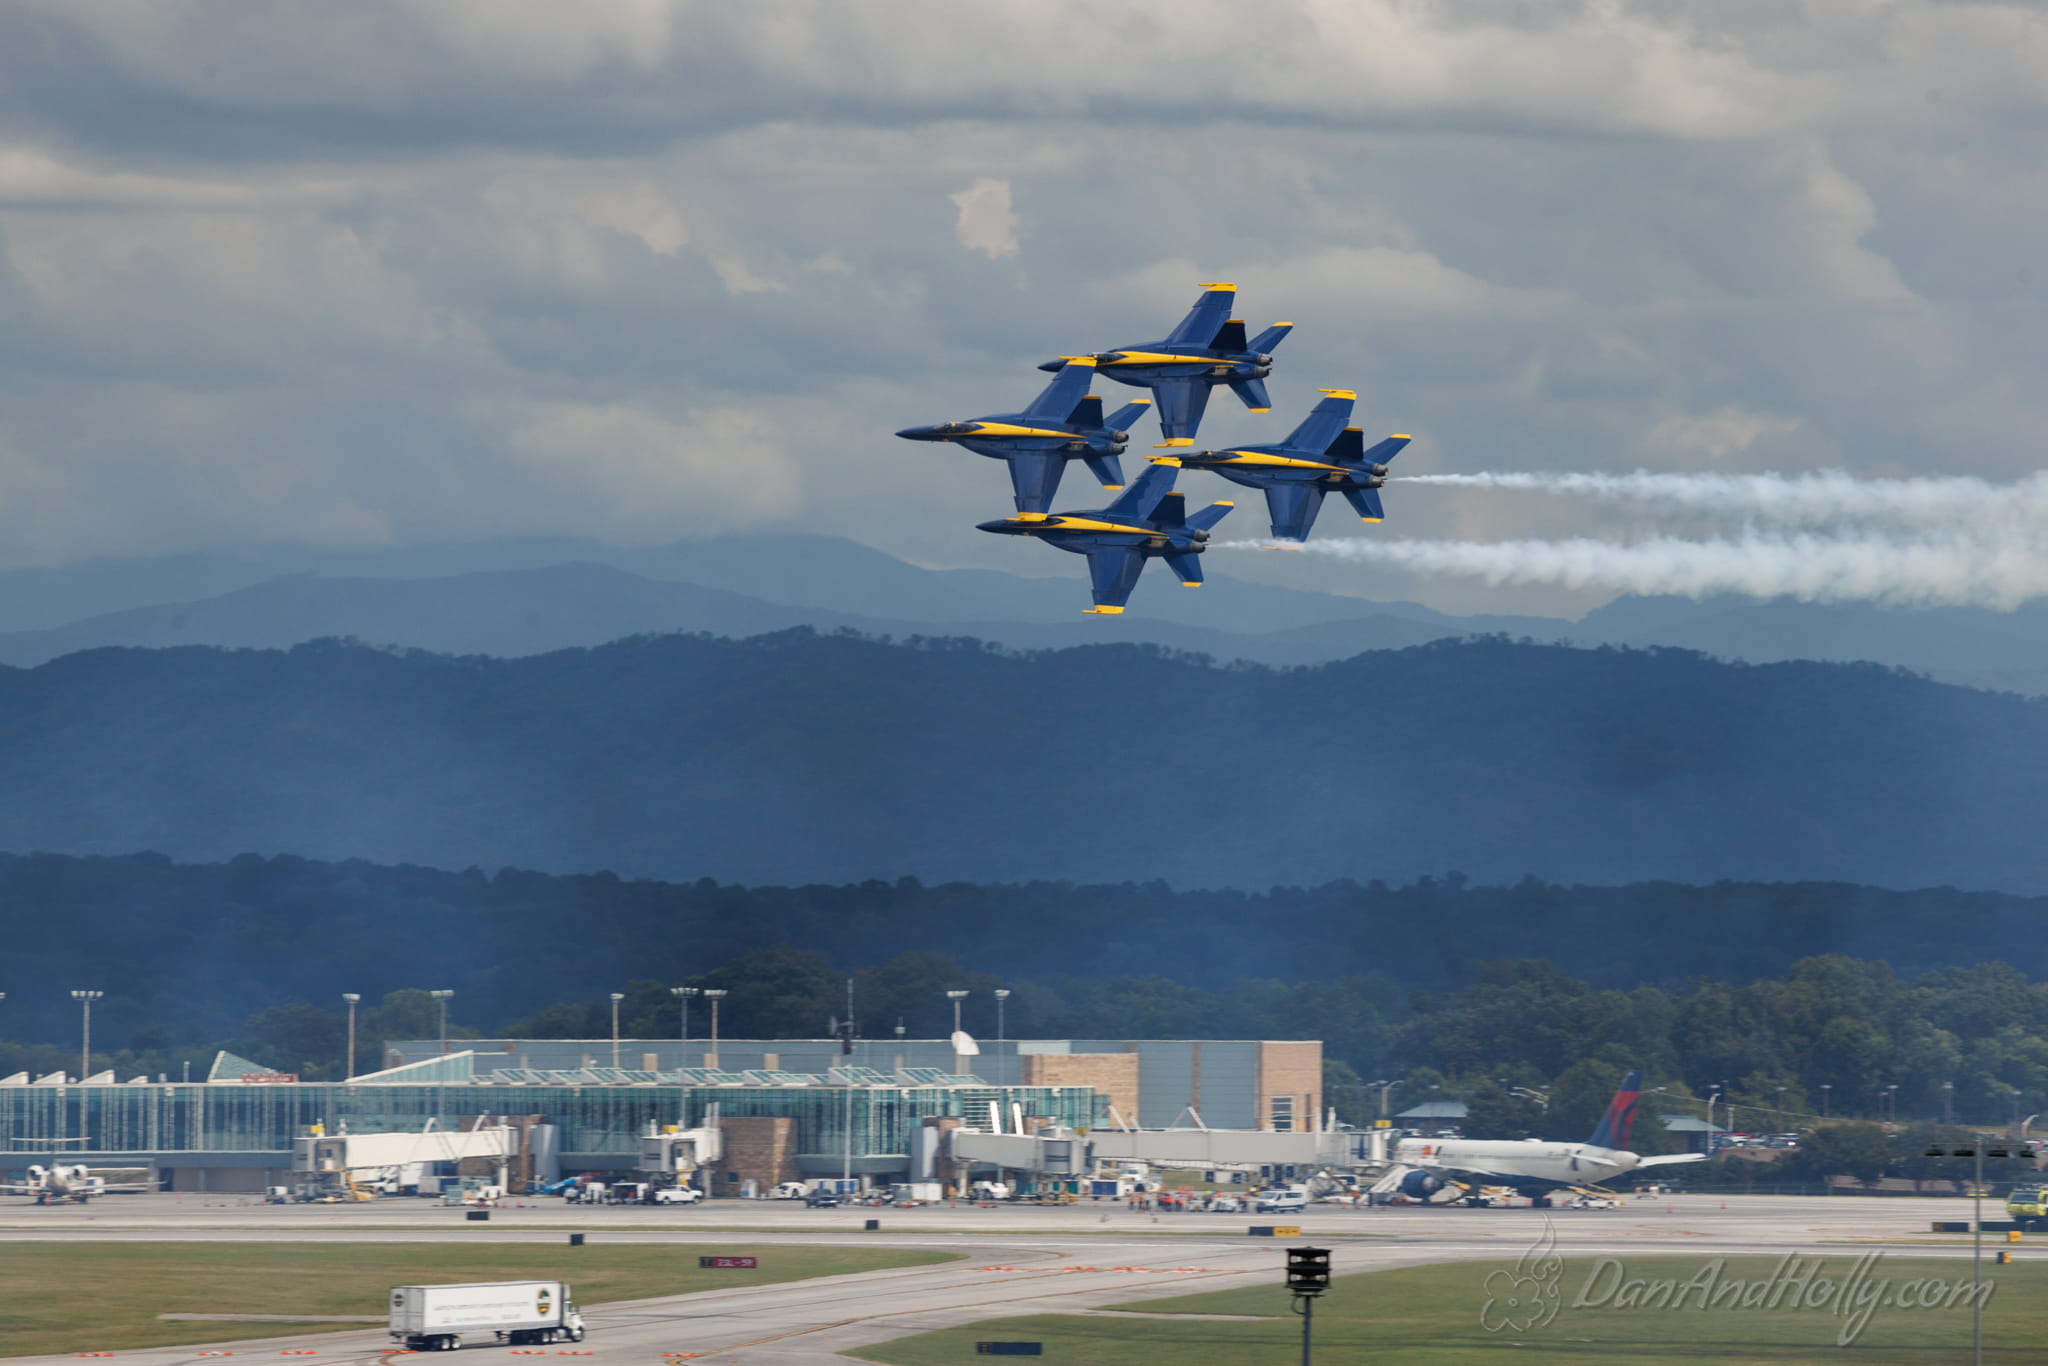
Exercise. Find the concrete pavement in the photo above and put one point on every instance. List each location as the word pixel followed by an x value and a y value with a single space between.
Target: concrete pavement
pixel 1015 1260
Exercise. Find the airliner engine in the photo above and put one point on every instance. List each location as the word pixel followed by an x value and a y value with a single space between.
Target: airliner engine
pixel 1421 1185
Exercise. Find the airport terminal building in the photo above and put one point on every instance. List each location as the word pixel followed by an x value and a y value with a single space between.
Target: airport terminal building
pixel 787 1108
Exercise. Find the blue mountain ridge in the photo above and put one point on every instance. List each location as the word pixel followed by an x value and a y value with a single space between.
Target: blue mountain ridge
pixel 524 596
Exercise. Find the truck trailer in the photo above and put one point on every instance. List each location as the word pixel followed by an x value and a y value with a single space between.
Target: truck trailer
pixel 434 1318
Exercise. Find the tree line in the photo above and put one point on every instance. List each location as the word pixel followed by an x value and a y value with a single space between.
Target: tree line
pixel 186 952
pixel 1530 1049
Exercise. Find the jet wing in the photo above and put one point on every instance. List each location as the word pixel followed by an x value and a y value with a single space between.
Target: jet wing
pixel 1114 574
pixel 1206 318
pixel 1138 500
pixel 1293 508
pixel 1064 393
pixel 1181 400
pixel 1323 424
pixel 1035 478
pixel 1672 1160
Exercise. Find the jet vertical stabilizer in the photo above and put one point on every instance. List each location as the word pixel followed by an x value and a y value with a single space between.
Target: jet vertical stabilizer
pixel 1614 1126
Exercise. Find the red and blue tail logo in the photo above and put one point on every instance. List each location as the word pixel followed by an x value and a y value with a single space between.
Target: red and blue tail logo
pixel 1621 1115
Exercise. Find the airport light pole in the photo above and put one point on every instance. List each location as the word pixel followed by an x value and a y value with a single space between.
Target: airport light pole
pixel 714 995
pixel 352 997
pixel 442 997
pixel 617 997
pixel 1980 1150
pixel 683 995
pixel 1002 995
pixel 1948 1102
pixel 959 1058
pixel 1977 1259
pixel 1825 1088
pixel 85 1000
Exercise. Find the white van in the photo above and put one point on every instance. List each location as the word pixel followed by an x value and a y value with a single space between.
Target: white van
pixel 1282 1202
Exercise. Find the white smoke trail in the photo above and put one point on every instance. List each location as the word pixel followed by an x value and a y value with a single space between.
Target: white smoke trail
pixel 1950 570
pixel 1821 498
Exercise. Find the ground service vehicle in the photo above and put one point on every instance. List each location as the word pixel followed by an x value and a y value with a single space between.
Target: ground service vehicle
pixel 1282 1201
pixel 434 1318
pixel 2028 1205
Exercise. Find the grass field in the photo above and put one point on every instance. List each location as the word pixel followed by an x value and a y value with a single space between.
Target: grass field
pixel 1431 1316
pixel 100 1297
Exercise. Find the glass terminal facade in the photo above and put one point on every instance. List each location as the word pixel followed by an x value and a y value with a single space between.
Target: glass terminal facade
pixel 597 1113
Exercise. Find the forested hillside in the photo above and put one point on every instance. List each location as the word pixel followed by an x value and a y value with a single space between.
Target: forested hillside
pixel 259 933
pixel 1830 1035
pixel 799 758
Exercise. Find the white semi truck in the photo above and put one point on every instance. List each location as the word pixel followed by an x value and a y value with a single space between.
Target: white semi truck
pixel 434 1318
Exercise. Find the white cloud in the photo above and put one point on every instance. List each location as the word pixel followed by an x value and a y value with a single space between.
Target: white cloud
pixel 1690 71
pixel 632 206
pixel 643 474
pixel 1840 215
pixel 1377 279
pixel 1726 432
pixel 32 178
pixel 331 270
pixel 986 222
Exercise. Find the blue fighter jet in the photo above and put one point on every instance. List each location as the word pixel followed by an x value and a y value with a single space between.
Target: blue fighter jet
pixel 1324 455
pixel 1207 349
pixel 1149 521
pixel 1063 423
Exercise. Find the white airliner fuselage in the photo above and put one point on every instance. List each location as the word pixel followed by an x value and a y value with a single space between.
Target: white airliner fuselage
pixel 60 1182
pixel 1440 1170
pixel 1530 1160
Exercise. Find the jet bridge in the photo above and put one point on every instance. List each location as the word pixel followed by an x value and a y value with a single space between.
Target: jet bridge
pixel 346 1161
pixel 1067 1152
pixel 677 1154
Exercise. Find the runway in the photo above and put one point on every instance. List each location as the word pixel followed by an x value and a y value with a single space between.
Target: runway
pixel 1015 1260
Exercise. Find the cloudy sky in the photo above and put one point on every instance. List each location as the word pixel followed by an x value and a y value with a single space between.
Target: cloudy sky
pixel 412 270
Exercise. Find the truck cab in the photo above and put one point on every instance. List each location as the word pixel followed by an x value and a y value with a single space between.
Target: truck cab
pixel 2028 1206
